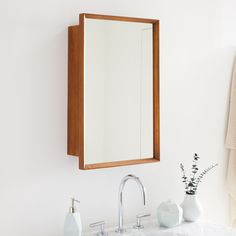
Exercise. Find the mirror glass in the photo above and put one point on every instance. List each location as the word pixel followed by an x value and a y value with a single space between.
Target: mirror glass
pixel 118 90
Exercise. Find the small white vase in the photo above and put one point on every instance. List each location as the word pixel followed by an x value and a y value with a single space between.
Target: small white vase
pixel 169 214
pixel 192 208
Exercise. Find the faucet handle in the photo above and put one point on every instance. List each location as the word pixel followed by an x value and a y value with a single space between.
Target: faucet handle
pixel 138 222
pixel 102 227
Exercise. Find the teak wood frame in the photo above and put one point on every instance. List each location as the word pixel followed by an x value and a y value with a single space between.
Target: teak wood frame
pixel 75 139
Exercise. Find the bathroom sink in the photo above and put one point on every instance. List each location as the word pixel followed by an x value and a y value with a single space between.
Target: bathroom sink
pixel 185 229
pixel 152 228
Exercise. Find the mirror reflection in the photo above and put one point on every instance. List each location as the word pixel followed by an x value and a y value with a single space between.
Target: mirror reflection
pixel 118 90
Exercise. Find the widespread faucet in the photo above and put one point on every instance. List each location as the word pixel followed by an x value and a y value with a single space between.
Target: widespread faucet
pixel 122 184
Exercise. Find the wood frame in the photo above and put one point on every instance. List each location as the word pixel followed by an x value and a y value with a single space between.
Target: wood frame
pixel 75 139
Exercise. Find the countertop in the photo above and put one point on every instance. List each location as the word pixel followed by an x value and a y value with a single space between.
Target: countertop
pixel 152 228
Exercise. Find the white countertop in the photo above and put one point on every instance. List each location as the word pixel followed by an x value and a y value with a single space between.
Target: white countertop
pixel 198 228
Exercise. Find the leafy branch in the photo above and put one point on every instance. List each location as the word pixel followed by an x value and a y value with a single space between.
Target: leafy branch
pixel 192 183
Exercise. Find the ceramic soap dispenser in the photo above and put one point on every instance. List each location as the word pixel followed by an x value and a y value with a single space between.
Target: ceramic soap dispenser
pixel 73 226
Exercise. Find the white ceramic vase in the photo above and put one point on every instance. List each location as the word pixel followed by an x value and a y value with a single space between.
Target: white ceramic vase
pixel 169 214
pixel 192 208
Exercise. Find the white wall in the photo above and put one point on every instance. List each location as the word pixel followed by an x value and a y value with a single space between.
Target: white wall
pixel 37 178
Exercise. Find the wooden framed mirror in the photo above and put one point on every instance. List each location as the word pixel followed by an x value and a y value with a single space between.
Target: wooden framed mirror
pixel 113 91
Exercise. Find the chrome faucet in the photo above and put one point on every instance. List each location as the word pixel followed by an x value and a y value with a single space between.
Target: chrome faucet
pixel 122 184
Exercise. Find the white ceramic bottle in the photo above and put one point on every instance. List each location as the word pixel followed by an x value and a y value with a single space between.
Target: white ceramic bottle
pixel 73 226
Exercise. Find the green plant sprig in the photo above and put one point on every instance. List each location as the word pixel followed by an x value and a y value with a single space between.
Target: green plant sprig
pixel 192 183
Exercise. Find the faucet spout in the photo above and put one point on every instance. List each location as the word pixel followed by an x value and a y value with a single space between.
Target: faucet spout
pixel 121 188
